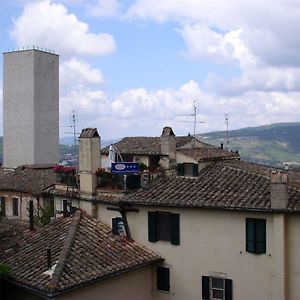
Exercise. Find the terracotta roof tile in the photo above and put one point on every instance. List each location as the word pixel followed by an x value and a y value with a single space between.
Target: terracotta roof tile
pixel 221 186
pixel 84 249
pixel 89 133
pixel 31 179
pixel 144 145
pixel 205 154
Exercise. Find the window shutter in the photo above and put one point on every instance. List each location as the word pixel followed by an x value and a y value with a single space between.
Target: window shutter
pixel 228 289
pixel 175 229
pixel 195 170
pixel 163 279
pixel 250 228
pixel 3 205
pixel 115 223
pixel 15 207
pixel 260 236
pixel 205 288
pixel 180 169
pixel 152 236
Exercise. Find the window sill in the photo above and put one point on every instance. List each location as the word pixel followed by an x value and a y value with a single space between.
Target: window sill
pixel 260 254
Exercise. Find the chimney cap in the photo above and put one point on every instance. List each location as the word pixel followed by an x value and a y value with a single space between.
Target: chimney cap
pixel 89 133
pixel 167 131
pixel 279 177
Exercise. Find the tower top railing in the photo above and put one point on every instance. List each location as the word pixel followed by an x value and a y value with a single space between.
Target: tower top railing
pixel 33 47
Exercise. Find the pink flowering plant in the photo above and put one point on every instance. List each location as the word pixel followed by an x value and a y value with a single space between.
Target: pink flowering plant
pixel 66 175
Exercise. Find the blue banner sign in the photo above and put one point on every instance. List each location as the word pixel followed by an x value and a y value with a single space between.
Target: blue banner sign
pixel 125 167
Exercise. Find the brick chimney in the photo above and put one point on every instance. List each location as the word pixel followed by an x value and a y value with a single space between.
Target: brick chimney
pixel 279 190
pixel 89 160
pixel 168 146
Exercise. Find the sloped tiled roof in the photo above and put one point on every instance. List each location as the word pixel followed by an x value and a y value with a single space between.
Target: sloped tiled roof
pixel 83 249
pixel 221 186
pixel 205 154
pixel 30 179
pixel 144 145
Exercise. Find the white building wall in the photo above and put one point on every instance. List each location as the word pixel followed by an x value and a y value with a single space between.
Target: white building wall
pixel 213 242
pixel 30 108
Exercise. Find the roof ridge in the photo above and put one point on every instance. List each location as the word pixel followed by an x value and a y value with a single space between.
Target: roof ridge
pixel 65 251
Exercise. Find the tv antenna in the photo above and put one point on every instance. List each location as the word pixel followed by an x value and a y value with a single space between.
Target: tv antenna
pixel 73 127
pixel 194 121
pixel 227 130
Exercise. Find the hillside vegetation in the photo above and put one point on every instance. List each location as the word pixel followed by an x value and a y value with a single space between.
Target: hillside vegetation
pixel 276 144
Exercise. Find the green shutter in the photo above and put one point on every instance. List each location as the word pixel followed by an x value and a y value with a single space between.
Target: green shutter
pixel 228 289
pixel 250 228
pixel 175 229
pixel 180 169
pixel 205 288
pixel 152 232
pixel 260 236
pixel 195 170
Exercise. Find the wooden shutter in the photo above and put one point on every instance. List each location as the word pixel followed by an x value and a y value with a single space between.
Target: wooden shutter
pixel 115 223
pixel 228 289
pixel 152 228
pixel 180 169
pixel 163 279
pixel 205 288
pixel 175 229
pixel 15 206
pixel 260 236
pixel 195 170
pixel 250 239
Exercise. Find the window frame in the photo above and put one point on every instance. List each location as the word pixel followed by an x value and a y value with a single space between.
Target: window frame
pixel 160 286
pixel 207 289
pixel 174 228
pixel 256 235
pixel 211 278
pixel 15 207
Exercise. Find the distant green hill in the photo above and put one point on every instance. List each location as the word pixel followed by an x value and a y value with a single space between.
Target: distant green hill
pixel 276 144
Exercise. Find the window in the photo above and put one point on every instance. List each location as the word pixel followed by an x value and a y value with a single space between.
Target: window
pixel 187 169
pixel 163 279
pixel 15 207
pixel 216 288
pixel 2 206
pixel 163 226
pixel 118 226
pixel 256 235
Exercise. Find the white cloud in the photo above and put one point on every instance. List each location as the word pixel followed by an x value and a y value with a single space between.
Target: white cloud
pixel 205 43
pixel 265 28
pixel 105 8
pixel 77 72
pixel 50 25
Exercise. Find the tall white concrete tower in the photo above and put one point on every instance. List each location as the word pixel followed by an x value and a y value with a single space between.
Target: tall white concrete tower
pixel 30 108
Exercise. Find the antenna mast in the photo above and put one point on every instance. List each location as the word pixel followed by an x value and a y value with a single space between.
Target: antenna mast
pixel 195 117
pixel 74 126
pixel 227 130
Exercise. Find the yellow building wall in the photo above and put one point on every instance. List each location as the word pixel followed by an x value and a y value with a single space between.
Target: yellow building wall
pixel 134 285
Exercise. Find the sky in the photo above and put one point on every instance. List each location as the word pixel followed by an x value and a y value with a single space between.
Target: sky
pixel 131 67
